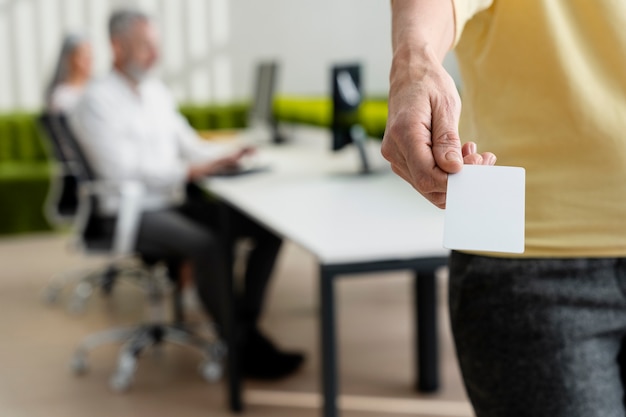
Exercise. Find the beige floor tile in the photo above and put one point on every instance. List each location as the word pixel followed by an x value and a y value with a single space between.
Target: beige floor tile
pixel 375 336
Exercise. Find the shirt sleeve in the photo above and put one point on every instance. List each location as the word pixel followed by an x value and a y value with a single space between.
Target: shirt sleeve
pixel 195 149
pixel 464 10
pixel 192 148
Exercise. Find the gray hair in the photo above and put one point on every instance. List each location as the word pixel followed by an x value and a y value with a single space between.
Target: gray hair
pixel 122 20
pixel 71 41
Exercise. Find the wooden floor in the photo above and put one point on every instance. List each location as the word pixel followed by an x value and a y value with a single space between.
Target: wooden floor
pixel 376 362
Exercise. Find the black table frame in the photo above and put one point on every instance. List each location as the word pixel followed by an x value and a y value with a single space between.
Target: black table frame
pixel 425 321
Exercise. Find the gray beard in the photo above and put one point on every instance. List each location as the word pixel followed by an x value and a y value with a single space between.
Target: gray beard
pixel 137 74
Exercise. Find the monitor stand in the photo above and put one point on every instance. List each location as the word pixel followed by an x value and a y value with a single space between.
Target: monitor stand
pixel 278 138
pixel 359 140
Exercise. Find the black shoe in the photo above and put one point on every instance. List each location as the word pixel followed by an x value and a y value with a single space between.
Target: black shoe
pixel 262 360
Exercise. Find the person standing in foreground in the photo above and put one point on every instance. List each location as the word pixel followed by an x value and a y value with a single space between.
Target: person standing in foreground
pixel 130 129
pixel 544 88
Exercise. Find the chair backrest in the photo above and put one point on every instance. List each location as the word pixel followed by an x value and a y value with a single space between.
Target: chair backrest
pixel 62 204
pixel 86 171
pixel 96 232
pixel 49 123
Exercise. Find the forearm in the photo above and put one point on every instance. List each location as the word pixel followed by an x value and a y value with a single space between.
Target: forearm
pixel 421 29
pixel 421 139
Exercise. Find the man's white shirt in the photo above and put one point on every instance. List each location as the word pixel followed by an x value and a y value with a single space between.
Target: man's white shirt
pixel 138 135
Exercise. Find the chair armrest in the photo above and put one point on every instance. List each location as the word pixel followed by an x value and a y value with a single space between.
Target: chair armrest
pixel 128 216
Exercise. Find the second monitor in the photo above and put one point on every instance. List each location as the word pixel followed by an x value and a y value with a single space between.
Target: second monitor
pixel 346 102
pixel 261 114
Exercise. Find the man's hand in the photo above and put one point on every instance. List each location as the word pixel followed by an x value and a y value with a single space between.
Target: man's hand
pixel 421 140
pixel 229 162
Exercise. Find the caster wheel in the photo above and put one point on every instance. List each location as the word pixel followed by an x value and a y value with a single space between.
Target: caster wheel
pixel 76 305
pixel 123 377
pixel 79 298
pixel 121 381
pixel 211 371
pixel 51 295
pixel 219 350
pixel 78 364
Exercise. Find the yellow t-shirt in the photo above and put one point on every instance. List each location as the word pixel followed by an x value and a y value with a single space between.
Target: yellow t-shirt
pixel 544 88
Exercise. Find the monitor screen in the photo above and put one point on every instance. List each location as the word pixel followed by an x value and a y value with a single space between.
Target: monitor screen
pixel 261 110
pixel 346 101
pixel 347 96
pixel 261 116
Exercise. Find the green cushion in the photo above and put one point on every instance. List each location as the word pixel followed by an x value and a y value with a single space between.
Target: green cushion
pixel 239 114
pixel 24 174
pixel 20 139
pixel 221 119
pixel 29 142
pixel 23 192
pixel 373 117
pixel 318 111
pixel 207 117
pixel 7 141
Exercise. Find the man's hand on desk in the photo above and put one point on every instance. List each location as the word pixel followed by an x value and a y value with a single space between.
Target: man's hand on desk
pixel 228 163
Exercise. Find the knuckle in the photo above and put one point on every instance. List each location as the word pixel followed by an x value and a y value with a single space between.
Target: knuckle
pixel 395 129
pixel 424 184
pixel 446 139
pixel 387 148
pixel 473 159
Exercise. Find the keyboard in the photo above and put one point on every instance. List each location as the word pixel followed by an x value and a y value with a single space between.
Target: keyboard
pixel 238 171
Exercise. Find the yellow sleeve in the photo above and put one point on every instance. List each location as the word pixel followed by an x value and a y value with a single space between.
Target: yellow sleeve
pixel 464 10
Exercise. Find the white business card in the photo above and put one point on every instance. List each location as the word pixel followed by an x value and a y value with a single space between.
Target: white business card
pixel 485 207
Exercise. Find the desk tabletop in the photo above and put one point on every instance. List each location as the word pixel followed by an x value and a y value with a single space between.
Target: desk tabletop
pixel 316 198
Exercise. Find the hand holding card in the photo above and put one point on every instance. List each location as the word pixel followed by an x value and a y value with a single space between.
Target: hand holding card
pixel 485 208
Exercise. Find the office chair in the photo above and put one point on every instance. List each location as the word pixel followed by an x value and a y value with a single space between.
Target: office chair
pixel 156 273
pixel 61 209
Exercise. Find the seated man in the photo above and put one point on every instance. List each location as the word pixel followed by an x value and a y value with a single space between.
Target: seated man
pixel 129 128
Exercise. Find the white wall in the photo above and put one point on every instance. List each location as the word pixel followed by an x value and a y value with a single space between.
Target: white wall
pixel 308 36
pixel 209 46
pixel 31 32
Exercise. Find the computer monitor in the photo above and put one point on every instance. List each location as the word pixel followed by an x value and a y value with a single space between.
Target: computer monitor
pixel 261 114
pixel 347 96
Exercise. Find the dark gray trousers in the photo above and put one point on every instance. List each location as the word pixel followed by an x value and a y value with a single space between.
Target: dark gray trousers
pixel 540 337
pixel 191 232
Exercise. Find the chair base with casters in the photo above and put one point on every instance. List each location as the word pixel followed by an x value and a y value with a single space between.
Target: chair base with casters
pixel 62 209
pixel 112 231
pixel 154 332
pixel 83 282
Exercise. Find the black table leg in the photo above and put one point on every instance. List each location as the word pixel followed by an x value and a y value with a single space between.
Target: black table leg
pixel 427 360
pixel 233 357
pixel 425 311
pixel 329 342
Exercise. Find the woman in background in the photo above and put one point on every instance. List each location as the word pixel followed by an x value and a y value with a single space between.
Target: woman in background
pixel 73 70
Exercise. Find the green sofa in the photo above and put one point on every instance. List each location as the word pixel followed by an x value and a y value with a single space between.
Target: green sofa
pixel 318 111
pixel 25 159
pixel 24 174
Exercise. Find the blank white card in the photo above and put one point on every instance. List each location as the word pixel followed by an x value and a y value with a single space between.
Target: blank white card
pixel 485 208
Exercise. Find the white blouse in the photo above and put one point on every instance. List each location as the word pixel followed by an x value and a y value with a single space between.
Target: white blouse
pixel 64 98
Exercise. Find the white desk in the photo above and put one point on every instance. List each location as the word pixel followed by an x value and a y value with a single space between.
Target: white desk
pixel 352 224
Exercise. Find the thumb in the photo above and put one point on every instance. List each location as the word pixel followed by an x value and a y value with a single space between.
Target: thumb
pixel 446 141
